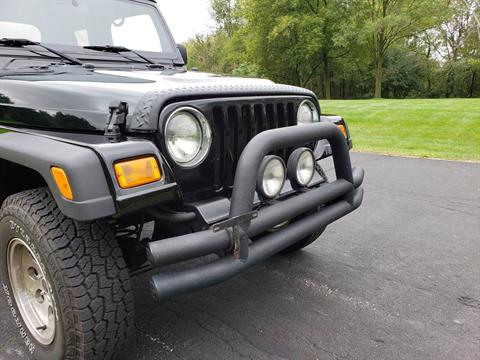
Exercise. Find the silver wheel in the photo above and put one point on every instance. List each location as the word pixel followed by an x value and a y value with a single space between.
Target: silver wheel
pixel 32 291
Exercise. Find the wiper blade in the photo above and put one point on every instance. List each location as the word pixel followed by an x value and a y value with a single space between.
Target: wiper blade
pixel 9 42
pixel 120 49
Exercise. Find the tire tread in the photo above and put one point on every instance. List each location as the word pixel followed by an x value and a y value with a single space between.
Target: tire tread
pixel 88 268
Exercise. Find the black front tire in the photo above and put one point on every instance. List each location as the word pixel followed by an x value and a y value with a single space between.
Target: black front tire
pixel 304 242
pixel 86 272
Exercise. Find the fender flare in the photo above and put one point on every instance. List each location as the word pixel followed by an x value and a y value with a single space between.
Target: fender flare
pixel 92 195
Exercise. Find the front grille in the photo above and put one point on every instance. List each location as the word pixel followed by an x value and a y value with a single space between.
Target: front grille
pixel 236 123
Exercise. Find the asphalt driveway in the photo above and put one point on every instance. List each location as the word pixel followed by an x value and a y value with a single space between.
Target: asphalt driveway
pixel 398 279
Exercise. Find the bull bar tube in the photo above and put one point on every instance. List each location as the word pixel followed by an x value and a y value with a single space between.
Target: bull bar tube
pixel 333 201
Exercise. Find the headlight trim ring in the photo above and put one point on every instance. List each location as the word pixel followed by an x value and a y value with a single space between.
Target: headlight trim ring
pixel 313 110
pixel 206 137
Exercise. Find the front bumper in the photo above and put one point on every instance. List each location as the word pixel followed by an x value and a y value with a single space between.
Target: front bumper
pixel 328 202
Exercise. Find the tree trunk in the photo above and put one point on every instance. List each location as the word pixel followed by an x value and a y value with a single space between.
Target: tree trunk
pixel 378 76
pixel 429 85
pixel 449 76
pixel 472 83
pixel 327 78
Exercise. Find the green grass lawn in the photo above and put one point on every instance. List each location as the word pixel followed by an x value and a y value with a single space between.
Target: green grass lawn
pixel 437 128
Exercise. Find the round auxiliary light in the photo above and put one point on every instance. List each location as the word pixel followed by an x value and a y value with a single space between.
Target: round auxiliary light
pixel 271 177
pixel 307 113
pixel 188 137
pixel 301 167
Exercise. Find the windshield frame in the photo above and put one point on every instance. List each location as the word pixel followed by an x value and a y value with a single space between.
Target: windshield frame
pixel 93 56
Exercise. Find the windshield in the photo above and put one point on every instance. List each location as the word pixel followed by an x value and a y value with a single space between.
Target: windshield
pixel 131 24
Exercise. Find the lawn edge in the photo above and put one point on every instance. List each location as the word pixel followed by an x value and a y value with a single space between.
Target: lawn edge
pixel 467 161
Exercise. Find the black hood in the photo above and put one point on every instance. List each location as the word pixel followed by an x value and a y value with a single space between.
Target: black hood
pixel 79 100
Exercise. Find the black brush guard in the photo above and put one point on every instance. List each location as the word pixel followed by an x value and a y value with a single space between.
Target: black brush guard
pixel 333 201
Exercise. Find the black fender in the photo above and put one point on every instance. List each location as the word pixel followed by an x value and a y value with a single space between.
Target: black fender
pixel 90 171
pixel 93 198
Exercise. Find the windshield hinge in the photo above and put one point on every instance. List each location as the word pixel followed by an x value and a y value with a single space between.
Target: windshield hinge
pixel 117 121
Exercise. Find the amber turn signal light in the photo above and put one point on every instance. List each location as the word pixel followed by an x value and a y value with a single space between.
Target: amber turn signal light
pixel 62 182
pixel 343 129
pixel 137 172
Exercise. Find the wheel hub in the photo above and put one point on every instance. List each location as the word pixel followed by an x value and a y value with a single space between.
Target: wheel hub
pixel 31 291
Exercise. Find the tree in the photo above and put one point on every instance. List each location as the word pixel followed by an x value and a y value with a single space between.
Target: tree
pixel 472 50
pixel 296 41
pixel 456 30
pixel 461 40
pixel 225 14
pixel 348 48
pixel 223 51
pixel 338 35
pixel 207 53
pixel 386 22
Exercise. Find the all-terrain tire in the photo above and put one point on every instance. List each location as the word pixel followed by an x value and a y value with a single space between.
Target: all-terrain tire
pixel 85 270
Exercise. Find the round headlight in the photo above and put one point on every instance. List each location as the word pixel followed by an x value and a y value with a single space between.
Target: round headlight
pixel 271 177
pixel 301 167
pixel 188 137
pixel 307 113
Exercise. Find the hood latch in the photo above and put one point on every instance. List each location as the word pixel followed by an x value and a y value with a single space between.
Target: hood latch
pixel 117 122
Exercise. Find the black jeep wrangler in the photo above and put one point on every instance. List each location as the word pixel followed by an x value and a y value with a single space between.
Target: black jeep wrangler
pixel 115 160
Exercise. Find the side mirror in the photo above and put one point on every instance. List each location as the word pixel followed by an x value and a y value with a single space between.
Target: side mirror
pixel 183 52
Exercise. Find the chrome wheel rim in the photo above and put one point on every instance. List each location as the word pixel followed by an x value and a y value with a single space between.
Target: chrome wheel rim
pixel 32 291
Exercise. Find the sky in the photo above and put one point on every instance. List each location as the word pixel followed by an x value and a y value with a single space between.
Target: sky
pixel 186 17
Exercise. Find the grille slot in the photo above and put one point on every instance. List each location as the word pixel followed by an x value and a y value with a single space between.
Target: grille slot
pixel 236 124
